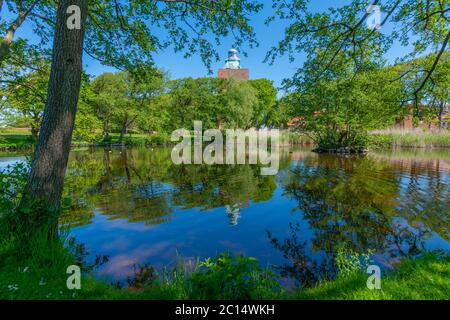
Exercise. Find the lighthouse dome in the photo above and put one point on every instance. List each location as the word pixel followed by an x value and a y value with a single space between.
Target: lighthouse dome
pixel 233 61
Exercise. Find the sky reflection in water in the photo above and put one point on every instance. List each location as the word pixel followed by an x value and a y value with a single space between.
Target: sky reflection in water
pixel 137 208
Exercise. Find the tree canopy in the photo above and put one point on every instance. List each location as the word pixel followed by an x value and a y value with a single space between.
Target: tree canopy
pixel 128 33
pixel 340 36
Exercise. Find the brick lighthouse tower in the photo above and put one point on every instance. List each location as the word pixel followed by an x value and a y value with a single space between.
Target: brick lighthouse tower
pixel 233 67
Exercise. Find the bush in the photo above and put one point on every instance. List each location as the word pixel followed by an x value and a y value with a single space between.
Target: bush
pixel 328 137
pixel 157 139
pixel 350 263
pixel 232 277
pixel 12 181
pixel 380 141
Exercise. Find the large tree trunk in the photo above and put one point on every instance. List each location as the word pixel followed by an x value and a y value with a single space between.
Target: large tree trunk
pixel 45 183
pixel 124 129
pixel 106 129
pixel 125 125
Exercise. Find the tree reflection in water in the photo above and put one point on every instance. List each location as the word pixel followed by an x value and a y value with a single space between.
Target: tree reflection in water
pixel 357 203
pixel 143 186
pixel 391 204
pixel 301 267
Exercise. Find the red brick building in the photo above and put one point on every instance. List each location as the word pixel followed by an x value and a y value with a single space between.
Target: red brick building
pixel 241 74
pixel 439 122
pixel 233 67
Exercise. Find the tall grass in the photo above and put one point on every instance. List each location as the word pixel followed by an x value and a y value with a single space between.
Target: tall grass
pixel 410 138
pixel 385 139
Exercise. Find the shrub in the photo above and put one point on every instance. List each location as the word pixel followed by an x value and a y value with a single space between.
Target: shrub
pixel 350 262
pixel 157 139
pixel 232 277
pixel 380 141
pixel 12 181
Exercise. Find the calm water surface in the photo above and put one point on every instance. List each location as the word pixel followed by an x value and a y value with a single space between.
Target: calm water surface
pixel 134 208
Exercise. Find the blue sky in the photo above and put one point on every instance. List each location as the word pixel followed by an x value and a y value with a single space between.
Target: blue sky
pixel 177 66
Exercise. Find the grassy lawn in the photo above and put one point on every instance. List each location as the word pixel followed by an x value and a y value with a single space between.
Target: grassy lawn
pixel 15 137
pixel 21 138
pixel 427 277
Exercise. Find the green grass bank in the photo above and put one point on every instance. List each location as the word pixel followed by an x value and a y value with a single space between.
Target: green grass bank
pixel 39 272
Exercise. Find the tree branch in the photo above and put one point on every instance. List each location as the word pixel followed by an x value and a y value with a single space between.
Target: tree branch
pixel 7 40
pixel 433 67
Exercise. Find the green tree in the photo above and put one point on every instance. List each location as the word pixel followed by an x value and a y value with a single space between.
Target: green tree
pixel 87 121
pixel 430 102
pixel 238 103
pixel 194 99
pixel 213 101
pixel 110 96
pixel 341 112
pixel 23 86
pixel 147 88
pixel 24 99
pixel 439 91
pixel 124 99
pixel 157 117
pixel 24 91
pixel 340 34
pixel 267 102
pixel 283 112
pixel 118 33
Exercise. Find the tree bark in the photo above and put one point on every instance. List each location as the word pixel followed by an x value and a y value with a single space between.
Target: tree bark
pixel 124 129
pixel 126 124
pixel 106 129
pixel 45 183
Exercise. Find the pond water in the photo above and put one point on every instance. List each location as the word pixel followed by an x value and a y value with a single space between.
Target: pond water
pixel 134 208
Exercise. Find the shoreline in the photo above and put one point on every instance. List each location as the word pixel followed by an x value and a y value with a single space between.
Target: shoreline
pixel 285 145
pixel 377 141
